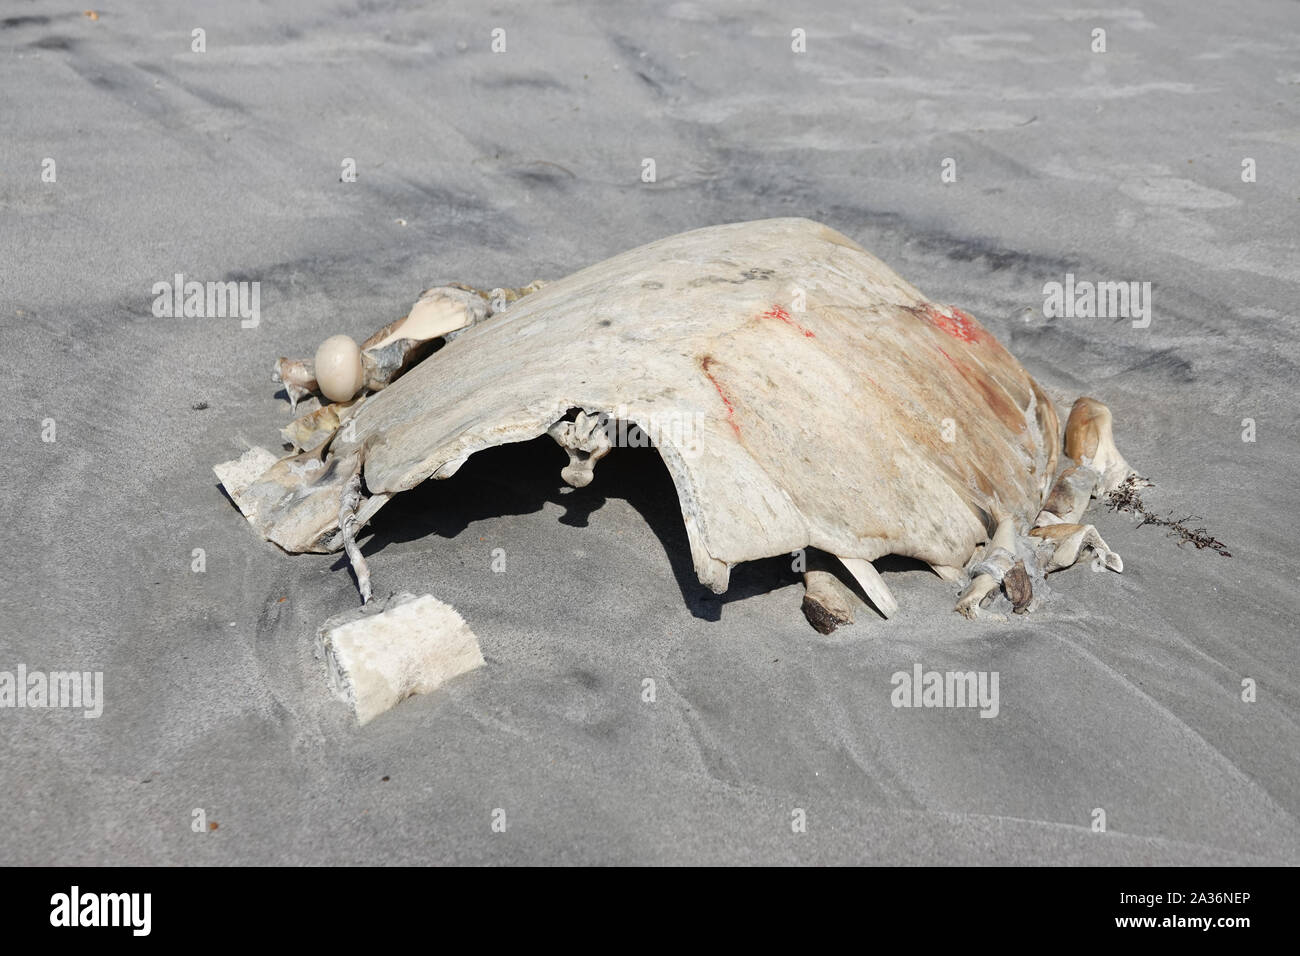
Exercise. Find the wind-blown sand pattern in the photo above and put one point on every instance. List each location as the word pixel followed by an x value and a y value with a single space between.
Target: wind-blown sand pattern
pixel 1124 692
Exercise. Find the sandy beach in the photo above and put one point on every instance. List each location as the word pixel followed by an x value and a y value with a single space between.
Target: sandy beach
pixel 982 150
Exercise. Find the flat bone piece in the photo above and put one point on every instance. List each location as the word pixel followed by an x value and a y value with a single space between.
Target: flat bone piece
pixel 434 314
pixel 413 645
pixel 439 313
pixel 239 475
pixel 865 573
pixel 311 429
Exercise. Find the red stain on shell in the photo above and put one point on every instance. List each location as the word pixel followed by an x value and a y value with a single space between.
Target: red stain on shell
pixel 706 363
pixel 949 358
pixel 992 393
pixel 776 312
pixel 959 325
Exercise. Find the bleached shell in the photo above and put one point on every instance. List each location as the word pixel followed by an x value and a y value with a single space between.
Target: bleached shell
pixel 820 428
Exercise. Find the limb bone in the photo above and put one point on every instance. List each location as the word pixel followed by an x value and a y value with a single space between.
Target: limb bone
pixel 1090 440
pixel 988 573
pixel 348 505
pixel 827 602
pixel 1071 541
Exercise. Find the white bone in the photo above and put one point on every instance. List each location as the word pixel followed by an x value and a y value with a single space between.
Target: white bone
pixel 1070 541
pixel 339 373
pixel 946 571
pixel 1000 556
pixel 586 439
pixel 1090 440
pixel 413 646
pixel 865 573
pixel 434 314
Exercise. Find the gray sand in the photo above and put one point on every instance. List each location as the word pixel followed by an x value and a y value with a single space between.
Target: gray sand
pixel 494 169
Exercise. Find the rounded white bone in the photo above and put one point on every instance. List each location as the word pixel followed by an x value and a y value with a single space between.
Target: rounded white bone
pixel 338 368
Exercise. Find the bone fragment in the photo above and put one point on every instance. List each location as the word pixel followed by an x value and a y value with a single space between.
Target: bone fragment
pixel 339 372
pixel 586 439
pixel 1070 495
pixel 988 573
pixel 948 572
pixel 1070 541
pixel 827 602
pixel 380 655
pixel 436 313
pixel 348 505
pixel 298 377
pixel 865 573
pixel 312 429
pixel 1089 439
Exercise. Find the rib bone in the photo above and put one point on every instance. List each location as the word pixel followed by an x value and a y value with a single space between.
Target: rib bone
pixel 865 573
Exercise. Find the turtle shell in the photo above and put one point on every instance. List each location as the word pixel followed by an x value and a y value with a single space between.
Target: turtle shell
pixel 800 392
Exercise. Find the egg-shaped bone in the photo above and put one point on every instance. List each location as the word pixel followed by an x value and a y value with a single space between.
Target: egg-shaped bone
pixel 339 373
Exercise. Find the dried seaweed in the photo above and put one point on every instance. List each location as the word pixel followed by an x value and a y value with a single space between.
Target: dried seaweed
pixel 1128 499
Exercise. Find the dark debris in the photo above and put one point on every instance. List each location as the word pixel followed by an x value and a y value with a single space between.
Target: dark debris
pixel 1127 498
